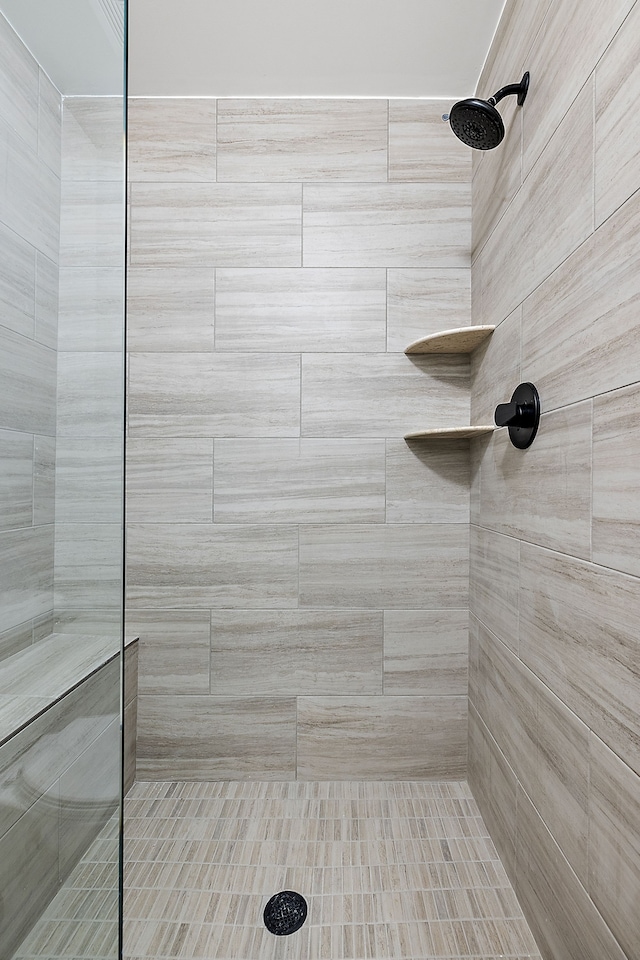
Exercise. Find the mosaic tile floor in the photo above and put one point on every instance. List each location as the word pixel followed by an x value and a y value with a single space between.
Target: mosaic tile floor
pixel 389 870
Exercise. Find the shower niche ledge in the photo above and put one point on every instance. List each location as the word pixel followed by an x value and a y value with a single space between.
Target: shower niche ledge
pixel 458 340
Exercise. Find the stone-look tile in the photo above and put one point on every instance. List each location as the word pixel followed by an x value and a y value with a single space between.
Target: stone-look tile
pixel 91 308
pixel 131 669
pixel 91 223
pixel 88 480
pixel 16 639
pixel 371 738
pixel 394 565
pixel 308 140
pixel 88 559
pixel 421 146
pixel 508 55
pixel 170 309
pixel 17 283
pixel 561 915
pixel 542 494
pixel 16 480
pixel 27 384
pixel 299 481
pixel 427 482
pixel 495 369
pixel 18 86
pixel 57 665
pixel 616 515
pixel 174 650
pixel 390 225
pixel 26 574
pixel 426 301
pixel 494 582
pixel 580 328
pixel 578 633
pixel 426 652
pixel 92 132
pixel 49 123
pixel 90 394
pixel 205 565
pixel 295 653
pixel 169 481
pixel 216 738
pixel 46 301
pixel 307 310
pixel 549 217
pixel 172 139
pixel 195 395
pixel 28 869
pixel 44 480
pixel 382 396
pixel 562 58
pixel 477 449
pixel 614 844
pixel 106 621
pixel 29 194
pixel 498 177
pixel 617 126
pixel 129 746
pixel 216 224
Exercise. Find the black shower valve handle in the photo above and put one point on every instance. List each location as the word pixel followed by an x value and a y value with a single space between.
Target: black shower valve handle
pixel 521 415
pixel 515 414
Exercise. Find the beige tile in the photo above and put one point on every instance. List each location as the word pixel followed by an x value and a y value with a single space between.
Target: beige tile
pixel 172 139
pixel 390 225
pixel 560 913
pixel 44 479
pixel 27 385
pixel 421 146
pixel 90 394
pixel 173 650
pixel 88 480
pixel 205 395
pixel 169 481
pixel 91 309
pixel 307 139
pixel 494 583
pixel 88 558
pixel 216 224
pixel 394 565
pixel 426 652
pixel 402 738
pixel 26 572
pixel 170 309
pixel 17 282
pixel 92 223
pixel 382 396
pixel 614 843
pixel 562 58
pixel 580 327
pixel 495 369
pixel 549 217
pixel 295 652
pixel 130 670
pixel 311 310
pixel 205 565
pixel 508 55
pixel 498 176
pixel 542 494
pixel 16 480
pixel 92 137
pixel 426 301
pixel 216 738
pixel 583 617
pixel 130 730
pixel 299 481
pixel 428 483
pixel 616 518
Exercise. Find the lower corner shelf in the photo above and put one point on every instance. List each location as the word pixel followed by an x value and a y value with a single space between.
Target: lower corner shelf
pixel 450 433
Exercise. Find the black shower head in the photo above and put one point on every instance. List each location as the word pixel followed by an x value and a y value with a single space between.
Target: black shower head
pixel 477 122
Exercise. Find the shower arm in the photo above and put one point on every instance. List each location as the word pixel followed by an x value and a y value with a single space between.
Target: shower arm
pixel 520 89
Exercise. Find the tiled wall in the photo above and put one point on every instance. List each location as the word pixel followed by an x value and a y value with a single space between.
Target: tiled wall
pixel 297 572
pixel 555 595
pixel 30 112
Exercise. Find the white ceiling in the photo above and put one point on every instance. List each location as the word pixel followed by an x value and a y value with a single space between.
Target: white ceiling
pixel 275 48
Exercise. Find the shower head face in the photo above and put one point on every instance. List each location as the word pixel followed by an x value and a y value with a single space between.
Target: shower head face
pixel 477 123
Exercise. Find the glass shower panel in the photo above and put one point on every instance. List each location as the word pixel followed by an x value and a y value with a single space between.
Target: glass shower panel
pixel 62 261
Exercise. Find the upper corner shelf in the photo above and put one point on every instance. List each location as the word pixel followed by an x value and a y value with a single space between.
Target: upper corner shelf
pixel 450 433
pixel 460 340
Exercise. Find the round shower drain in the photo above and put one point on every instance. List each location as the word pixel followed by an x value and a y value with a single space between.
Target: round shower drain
pixel 285 913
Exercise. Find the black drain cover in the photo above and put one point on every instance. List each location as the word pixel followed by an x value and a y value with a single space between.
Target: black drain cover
pixel 285 913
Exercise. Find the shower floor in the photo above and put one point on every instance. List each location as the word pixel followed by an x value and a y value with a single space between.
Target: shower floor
pixel 389 870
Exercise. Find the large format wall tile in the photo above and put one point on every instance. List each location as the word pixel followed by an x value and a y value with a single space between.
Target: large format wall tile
pixel 426 652
pixel 299 481
pixel 616 456
pixel 424 301
pixel 88 565
pixel 216 224
pixel 498 177
pixel 46 301
pixel 383 395
pixel 17 282
pixel 88 480
pixel 392 565
pixel 18 86
pixel 205 565
pixel 428 482
pixel 92 230
pixel 495 369
pixel 371 738
pixel 93 129
pixel 302 140
pixel 29 195
pixel 421 146
pixel 295 652
pixel 174 650
pixel 301 309
pixel 16 480
pixel 172 139
pixel 169 481
pixel 26 574
pixel 391 225
pixel 494 581
pixel 27 384
pixel 91 307
pixel 196 395
pixel 49 123
pixel 216 738
pixel 170 309
pixel 90 392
